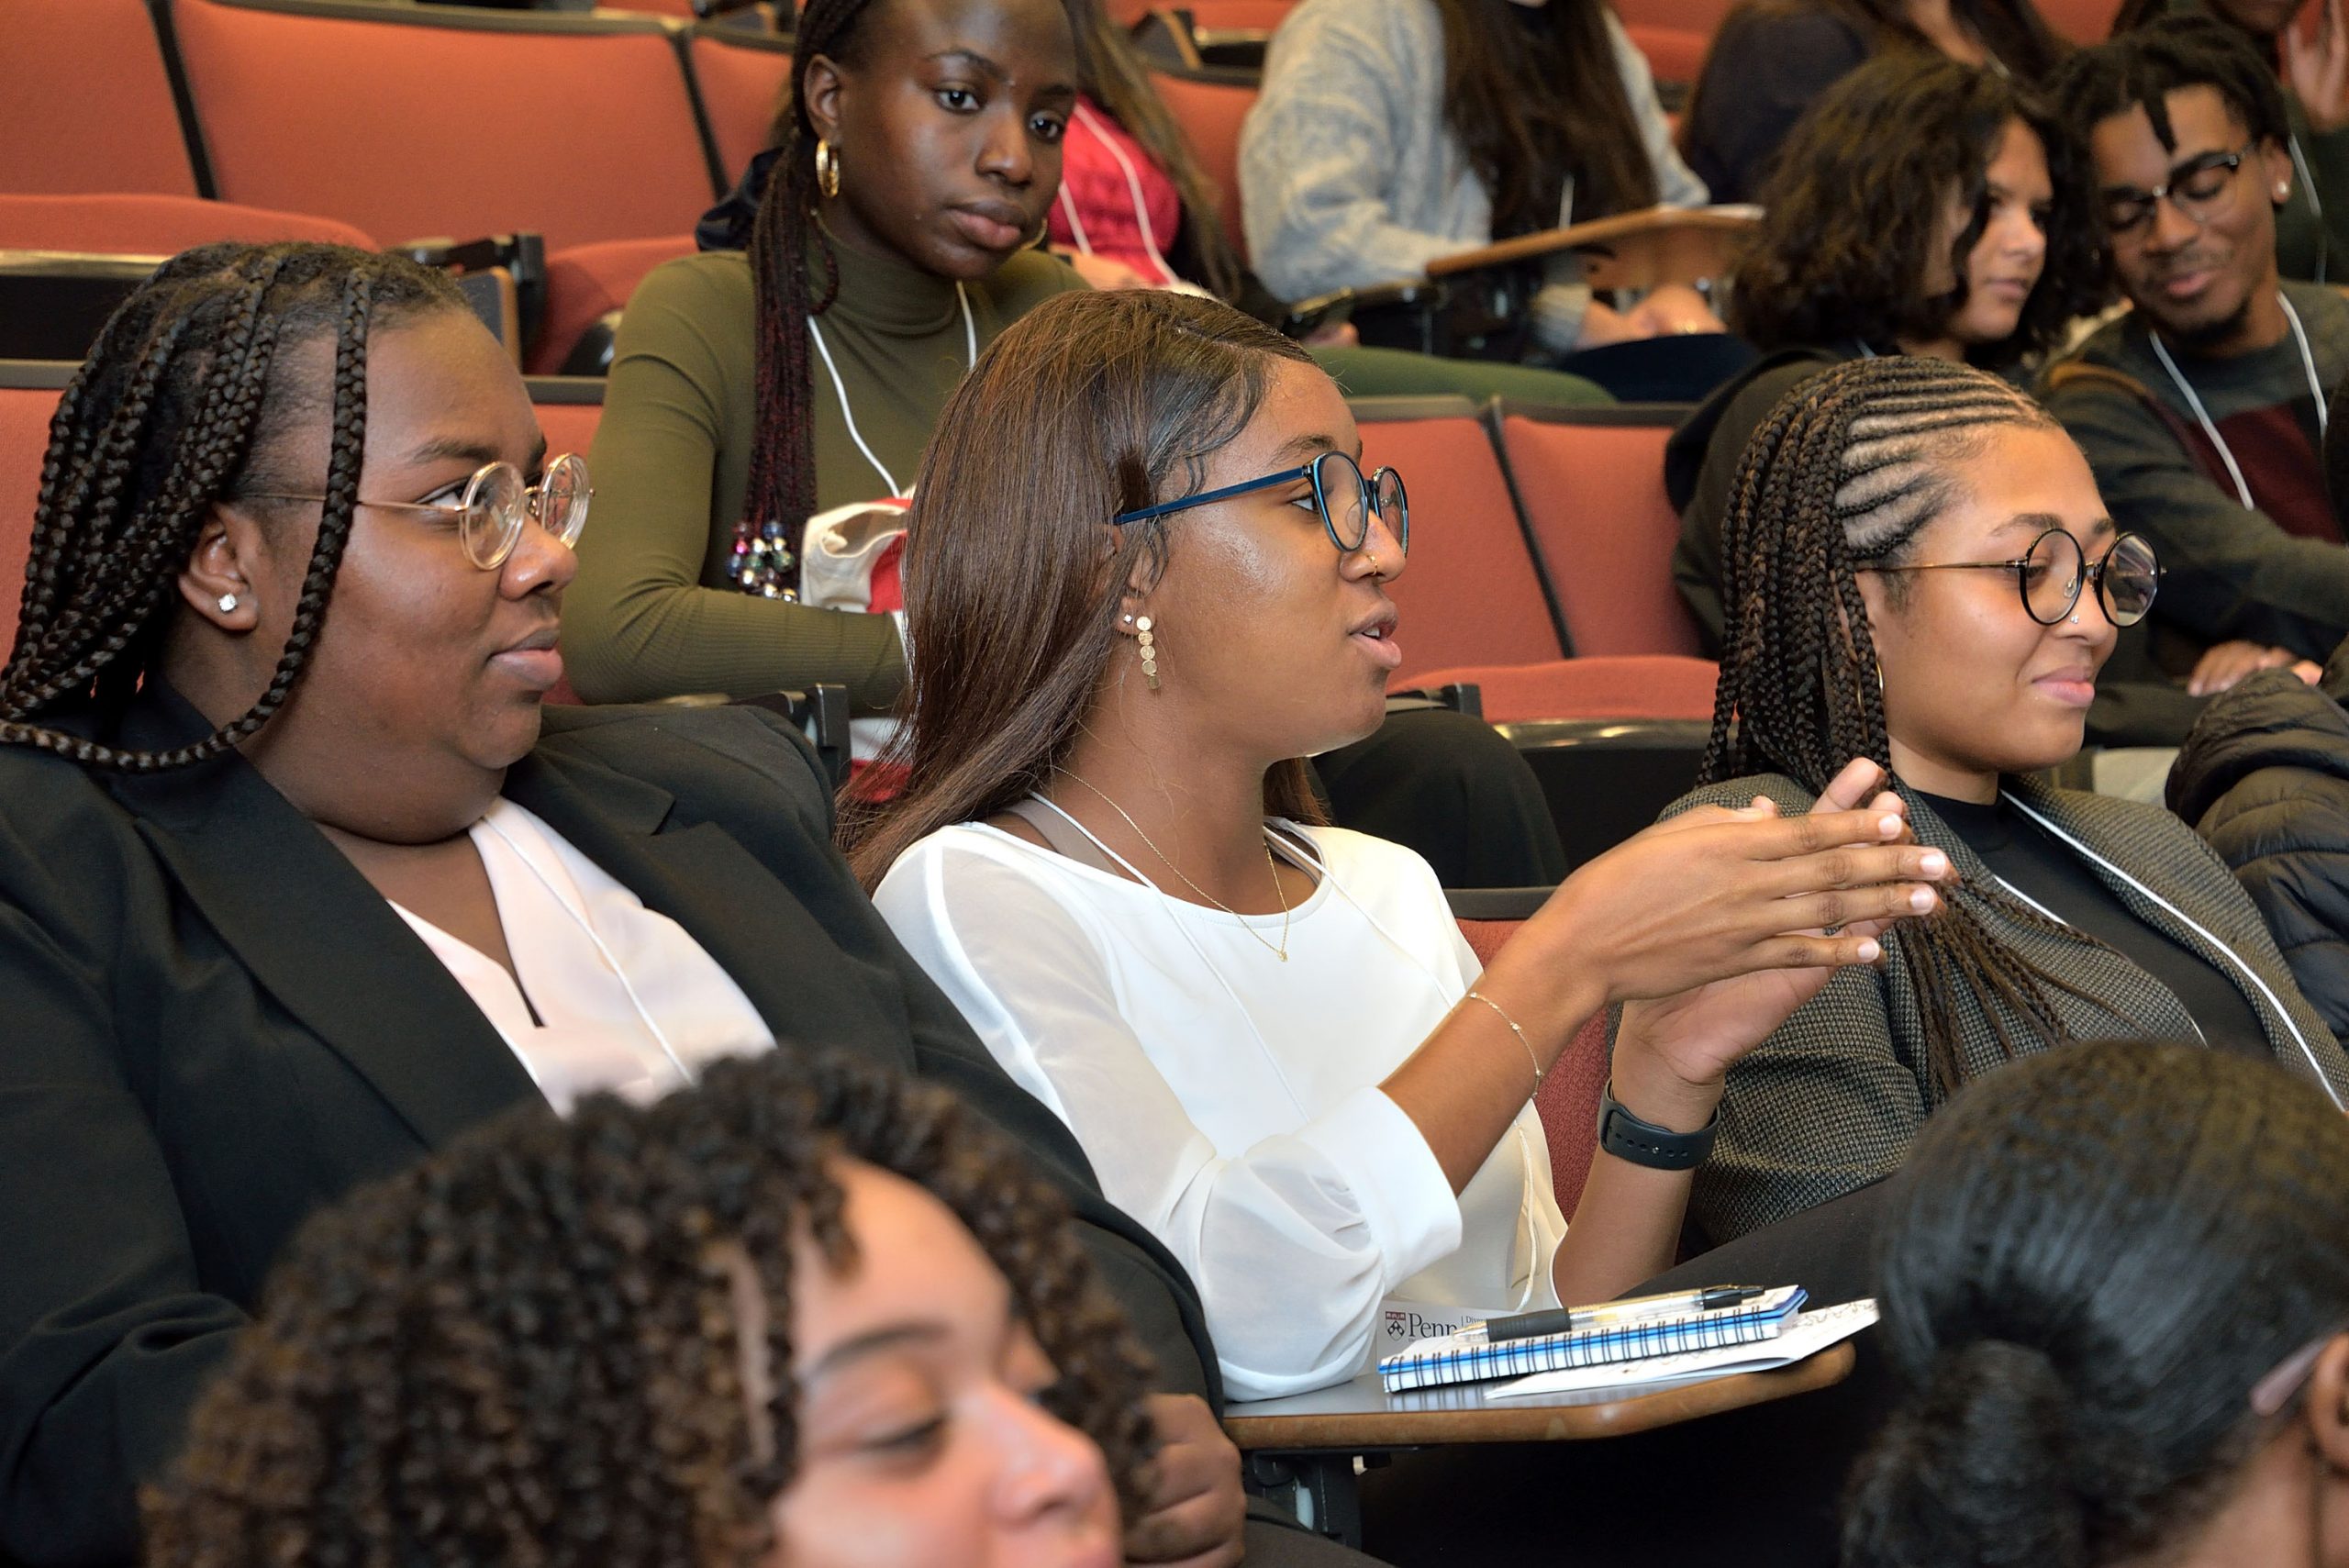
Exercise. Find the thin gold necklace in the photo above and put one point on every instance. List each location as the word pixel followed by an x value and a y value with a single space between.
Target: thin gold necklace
pixel 1270 865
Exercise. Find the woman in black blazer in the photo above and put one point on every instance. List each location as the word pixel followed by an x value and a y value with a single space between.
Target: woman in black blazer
pixel 284 639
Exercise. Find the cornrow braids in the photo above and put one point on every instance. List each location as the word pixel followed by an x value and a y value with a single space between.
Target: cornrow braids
pixel 2141 65
pixel 530 1349
pixel 1845 473
pixel 781 492
pixel 179 407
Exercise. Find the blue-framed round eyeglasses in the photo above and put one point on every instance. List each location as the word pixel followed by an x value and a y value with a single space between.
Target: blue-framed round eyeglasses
pixel 1345 499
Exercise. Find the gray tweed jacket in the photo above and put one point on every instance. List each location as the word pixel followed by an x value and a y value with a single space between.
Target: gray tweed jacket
pixel 1830 1102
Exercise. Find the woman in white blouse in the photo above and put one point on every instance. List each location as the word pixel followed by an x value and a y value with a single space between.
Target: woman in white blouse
pixel 1269 1035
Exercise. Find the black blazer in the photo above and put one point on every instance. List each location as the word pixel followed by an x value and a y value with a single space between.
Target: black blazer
pixel 211 1025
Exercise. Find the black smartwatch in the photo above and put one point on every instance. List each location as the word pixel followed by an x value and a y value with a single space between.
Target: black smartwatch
pixel 1626 1137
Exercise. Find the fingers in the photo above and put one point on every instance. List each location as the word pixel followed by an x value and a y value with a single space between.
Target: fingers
pixel 1850 789
pixel 1853 866
pixel 1789 837
pixel 1845 951
pixel 1837 909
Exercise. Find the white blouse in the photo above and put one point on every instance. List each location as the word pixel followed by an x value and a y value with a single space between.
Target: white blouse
pixel 1228 1100
pixel 626 1000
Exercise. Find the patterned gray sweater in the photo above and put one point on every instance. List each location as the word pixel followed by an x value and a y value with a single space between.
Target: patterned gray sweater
pixel 1349 176
pixel 1831 1100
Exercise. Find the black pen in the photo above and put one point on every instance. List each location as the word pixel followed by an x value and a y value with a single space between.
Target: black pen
pixel 1615 1314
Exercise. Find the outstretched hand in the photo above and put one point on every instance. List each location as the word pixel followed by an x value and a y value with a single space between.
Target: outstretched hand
pixel 1715 894
pixel 1673 1053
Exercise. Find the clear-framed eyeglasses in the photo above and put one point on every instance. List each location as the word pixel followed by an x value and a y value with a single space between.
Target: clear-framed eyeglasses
pixel 2051 574
pixel 1345 499
pixel 488 513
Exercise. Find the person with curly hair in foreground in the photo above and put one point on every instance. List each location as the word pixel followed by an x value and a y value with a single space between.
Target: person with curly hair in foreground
pixel 807 1312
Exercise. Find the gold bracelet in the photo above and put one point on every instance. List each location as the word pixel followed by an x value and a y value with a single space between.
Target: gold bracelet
pixel 1496 1006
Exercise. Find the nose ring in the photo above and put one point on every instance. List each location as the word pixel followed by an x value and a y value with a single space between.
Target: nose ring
pixel 1372 556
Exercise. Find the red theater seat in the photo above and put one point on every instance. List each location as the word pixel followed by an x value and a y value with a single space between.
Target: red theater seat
pixel 742 77
pixel 1472 595
pixel 420 121
pixel 1208 112
pixel 154 224
pixel 1591 483
pixel 85 102
pixel 587 280
pixel 1637 686
pixel 29 392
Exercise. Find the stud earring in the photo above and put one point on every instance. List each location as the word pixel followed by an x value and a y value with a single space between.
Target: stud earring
pixel 1149 651
pixel 2283 191
pixel 227 603
pixel 827 168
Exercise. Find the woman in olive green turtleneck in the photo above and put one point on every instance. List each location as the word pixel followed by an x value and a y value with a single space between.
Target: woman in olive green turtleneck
pixel 927 154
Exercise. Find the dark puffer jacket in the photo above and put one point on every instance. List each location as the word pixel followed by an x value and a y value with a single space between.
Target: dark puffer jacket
pixel 2264 776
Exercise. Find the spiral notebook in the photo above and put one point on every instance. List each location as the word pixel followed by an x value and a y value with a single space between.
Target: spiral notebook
pixel 1467 1357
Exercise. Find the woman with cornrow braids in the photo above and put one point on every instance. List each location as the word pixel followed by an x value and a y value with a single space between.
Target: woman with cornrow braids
pixel 806 1313
pixel 298 878
pixel 1920 571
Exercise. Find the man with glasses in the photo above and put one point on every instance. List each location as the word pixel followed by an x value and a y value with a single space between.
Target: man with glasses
pixel 2201 409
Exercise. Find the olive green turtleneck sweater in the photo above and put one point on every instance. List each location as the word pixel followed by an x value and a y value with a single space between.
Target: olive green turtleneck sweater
pixel 648 616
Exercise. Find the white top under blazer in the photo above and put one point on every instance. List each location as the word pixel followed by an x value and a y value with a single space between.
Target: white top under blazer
pixel 613 995
pixel 1228 1100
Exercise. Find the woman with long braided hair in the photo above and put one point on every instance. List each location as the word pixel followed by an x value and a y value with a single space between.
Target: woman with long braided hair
pixel 298 881
pixel 1919 571
pixel 806 1313
pixel 753 386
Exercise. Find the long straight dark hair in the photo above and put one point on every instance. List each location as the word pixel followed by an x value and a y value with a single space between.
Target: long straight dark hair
pixel 1530 105
pixel 1115 77
pixel 1088 405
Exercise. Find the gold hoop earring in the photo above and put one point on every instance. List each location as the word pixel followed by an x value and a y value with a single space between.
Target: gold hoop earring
pixel 827 169
pixel 1149 648
pixel 1879 672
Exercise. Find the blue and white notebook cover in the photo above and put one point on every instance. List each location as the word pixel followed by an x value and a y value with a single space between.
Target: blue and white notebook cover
pixel 1467 1357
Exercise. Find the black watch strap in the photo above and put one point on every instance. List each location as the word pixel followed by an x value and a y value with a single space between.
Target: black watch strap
pixel 1626 1137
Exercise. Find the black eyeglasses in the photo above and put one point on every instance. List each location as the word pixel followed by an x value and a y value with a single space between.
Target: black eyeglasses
pixel 2194 188
pixel 1345 498
pixel 2051 576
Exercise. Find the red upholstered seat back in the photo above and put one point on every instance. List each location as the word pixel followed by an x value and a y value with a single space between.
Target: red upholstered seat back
pixel 2081 21
pixel 1209 114
pixel 1700 16
pixel 585 280
pixel 1471 595
pixel 86 104
pixel 1593 498
pixel 1635 686
pixel 1673 54
pixel 24 413
pixel 420 121
pixel 570 427
pixel 1568 1100
pixel 155 225
pixel 741 80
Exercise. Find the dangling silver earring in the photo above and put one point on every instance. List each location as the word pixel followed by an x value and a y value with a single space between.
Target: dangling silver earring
pixel 1149 651
pixel 227 603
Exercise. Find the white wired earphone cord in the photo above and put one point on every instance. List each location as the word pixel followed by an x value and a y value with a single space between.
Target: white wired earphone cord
pixel 1308 858
pixel 2226 453
pixel 840 388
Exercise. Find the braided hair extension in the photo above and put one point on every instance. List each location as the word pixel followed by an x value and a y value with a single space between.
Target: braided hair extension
pixel 178 407
pixel 1845 473
pixel 530 1349
pixel 781 492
